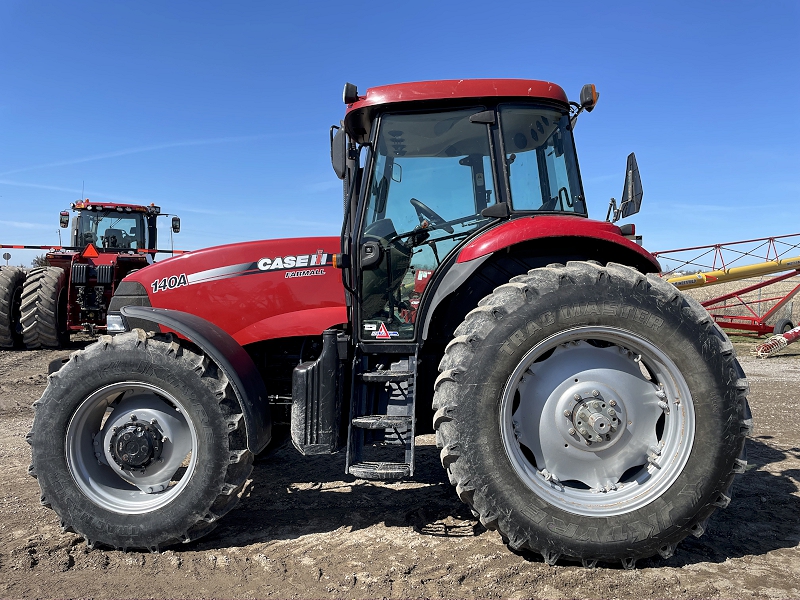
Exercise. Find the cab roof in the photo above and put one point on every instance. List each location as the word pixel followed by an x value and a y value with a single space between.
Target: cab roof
pixel 89 205
pixel 359 113
pixel 459 88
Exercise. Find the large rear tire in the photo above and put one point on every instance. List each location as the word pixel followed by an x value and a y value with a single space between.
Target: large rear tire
pixel 44 308
pixel 592 413
pixel 139 442
pixel 11 281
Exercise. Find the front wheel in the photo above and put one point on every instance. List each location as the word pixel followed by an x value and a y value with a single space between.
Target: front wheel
pixel 139 442
pixel 591 412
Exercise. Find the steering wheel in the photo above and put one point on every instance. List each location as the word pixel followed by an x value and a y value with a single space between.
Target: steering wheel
pixel 426 213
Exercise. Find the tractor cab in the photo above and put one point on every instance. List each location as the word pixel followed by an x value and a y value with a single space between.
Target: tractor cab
pixel 113 227
pixel 433 169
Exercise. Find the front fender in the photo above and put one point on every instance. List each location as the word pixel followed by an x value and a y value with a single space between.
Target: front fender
pixel 229 356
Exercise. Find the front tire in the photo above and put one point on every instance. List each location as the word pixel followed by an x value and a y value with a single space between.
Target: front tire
pixel 591 412
pixel 139 442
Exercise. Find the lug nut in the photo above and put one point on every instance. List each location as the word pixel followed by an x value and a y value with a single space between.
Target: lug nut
pixel 133 417
pixel 612 402
pixel 571 431
pixel 595 393
pixel 567 413
pixel 611 412
pixel 577 396
pixel 583 431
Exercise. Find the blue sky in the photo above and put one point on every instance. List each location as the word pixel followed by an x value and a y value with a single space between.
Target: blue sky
pixel 219 112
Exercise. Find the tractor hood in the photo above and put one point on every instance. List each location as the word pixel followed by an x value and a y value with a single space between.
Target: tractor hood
pixel 254 290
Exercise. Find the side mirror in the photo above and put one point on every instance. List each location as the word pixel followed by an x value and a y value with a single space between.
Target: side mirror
pixel 176 224
pixel 339 151
pixel 63 219
pixel 589 96
pixel 632 192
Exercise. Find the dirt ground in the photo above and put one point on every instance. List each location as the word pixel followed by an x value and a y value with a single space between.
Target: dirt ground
pixel 306 530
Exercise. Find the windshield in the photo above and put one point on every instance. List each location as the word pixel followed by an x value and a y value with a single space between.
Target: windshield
pixel 540 156
pixel 110 229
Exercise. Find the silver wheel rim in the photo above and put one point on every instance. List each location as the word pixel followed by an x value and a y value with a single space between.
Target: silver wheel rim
pixel 584 379
pixel 101 421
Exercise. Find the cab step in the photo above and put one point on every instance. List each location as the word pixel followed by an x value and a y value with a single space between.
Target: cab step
pixel 380 470
pixel 383 422
pixel 386 376
pixel 380 437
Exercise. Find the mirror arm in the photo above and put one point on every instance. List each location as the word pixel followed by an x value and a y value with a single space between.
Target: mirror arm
pixel 614 213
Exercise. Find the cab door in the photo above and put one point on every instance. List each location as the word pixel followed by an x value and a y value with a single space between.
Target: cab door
pixel 430 176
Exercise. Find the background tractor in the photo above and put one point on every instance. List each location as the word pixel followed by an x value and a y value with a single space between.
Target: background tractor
pixel 583 406
pixel 71 293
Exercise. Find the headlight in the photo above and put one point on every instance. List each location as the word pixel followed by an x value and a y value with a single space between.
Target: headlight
pixel 115 324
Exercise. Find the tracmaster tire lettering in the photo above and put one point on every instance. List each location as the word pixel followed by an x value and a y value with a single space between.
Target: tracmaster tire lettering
pixel 43 308
pixel 591 412
pixel 139 442
pixel 11 279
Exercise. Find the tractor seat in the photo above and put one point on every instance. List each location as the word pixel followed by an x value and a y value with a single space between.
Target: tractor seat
pixel 115 238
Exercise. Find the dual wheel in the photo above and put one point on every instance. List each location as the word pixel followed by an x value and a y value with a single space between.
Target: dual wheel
pixel 33 307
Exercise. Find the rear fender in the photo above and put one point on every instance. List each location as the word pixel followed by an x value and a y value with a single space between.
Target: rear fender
pixel 229 356
pixel 476 273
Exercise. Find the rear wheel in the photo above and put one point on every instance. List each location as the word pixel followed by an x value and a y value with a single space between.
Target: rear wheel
pixel 44 308
pixel 11 281
pixel 591 412
pixel 139 442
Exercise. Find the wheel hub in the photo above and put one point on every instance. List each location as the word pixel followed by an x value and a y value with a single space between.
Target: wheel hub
pixel 135 445
pixel 591 416
pixel 612 384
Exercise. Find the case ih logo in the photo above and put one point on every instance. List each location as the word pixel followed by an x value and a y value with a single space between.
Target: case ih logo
pixel 299 261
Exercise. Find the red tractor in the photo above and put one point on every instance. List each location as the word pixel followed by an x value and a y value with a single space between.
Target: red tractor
pixel 584 408
pixel 108 241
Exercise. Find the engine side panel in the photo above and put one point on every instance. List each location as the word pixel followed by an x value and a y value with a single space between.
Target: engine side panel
pixel 254 290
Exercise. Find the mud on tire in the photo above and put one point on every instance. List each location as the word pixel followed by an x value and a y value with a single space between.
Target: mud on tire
pixel 44 308
pixel 11 280
pixel 167 481
pixel 527 435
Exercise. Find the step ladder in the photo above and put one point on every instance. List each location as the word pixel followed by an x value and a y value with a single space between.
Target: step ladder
pixel 382 420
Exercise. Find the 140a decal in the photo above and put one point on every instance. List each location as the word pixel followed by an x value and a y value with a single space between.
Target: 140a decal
pixel 169 283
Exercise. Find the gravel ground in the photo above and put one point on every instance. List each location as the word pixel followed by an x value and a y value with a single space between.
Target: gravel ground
pixel 303 529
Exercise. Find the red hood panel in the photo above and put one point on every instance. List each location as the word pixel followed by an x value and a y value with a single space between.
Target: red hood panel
pixel 254 290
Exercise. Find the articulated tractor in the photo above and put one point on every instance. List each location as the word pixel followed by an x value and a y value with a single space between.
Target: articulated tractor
pixel 72 291
pixel 584 408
